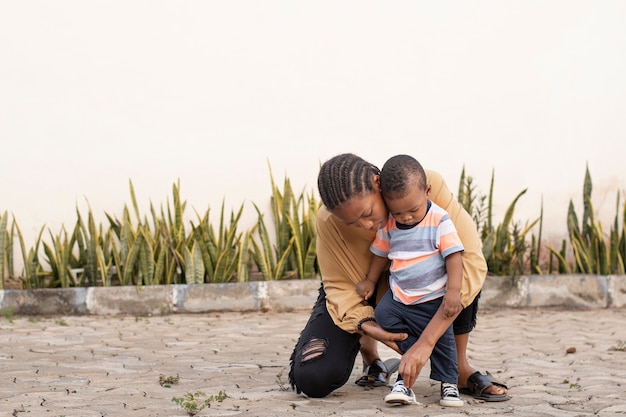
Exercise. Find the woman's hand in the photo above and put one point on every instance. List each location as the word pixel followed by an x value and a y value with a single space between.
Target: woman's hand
pixel 372 329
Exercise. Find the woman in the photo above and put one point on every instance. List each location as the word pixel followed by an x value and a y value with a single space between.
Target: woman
pixel 342 323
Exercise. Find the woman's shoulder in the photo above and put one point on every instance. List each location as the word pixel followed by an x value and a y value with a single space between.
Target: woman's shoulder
pixel 439 191
pixel 325 220
pixel 433 177
pixel 323 213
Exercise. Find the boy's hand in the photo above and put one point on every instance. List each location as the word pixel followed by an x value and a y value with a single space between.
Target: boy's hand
pixel 451 304
pixel 365 289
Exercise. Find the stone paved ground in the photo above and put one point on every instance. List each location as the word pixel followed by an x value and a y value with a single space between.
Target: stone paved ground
pixel 110 366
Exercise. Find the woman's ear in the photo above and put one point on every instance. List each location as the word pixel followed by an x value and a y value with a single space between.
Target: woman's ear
pixel 376 182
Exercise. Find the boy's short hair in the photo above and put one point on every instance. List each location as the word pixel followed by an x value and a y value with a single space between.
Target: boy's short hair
pixel 399 174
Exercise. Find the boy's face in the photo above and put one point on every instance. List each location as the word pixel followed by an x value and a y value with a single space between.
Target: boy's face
pixel 411 208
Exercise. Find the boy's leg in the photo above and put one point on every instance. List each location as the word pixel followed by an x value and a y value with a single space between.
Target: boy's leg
pixel 393 317
pixel 443 361
pixel 413 319
pixel 324 355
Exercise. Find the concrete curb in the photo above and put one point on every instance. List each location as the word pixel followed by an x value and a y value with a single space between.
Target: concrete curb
pixel 575 291
pixel 571 291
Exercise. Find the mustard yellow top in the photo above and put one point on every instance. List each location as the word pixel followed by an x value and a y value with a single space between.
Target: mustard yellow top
pixel 344 256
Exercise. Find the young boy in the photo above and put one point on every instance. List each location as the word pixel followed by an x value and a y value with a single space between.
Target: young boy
pixel 425 271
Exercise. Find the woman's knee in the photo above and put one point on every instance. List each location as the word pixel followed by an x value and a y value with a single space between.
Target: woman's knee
pixel 319 380
pixel 316 374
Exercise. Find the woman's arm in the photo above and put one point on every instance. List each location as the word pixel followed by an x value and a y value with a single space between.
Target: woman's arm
pixel 344 257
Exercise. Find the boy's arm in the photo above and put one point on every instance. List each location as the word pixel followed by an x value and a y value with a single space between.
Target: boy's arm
pixel 454 268
pixel 366 287
pixel 452 300
pixel 378 265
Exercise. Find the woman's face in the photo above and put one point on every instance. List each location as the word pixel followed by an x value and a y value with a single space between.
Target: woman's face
pixel 367 211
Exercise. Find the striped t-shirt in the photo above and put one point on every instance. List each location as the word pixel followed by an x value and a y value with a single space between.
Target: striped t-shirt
pixel 417 254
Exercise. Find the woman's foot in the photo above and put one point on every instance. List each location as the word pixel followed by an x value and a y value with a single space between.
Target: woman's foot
pixel 484 387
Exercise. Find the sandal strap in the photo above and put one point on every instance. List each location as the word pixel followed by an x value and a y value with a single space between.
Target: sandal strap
pixel 478 382
pixel 375 374
pixel 377 367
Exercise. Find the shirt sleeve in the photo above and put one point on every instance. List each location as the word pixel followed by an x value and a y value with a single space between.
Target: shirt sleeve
pixel 344 256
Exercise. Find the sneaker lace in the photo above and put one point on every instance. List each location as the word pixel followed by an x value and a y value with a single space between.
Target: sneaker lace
pixel 449 390
pixel 400 387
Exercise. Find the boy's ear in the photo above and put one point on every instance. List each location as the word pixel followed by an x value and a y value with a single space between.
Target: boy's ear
pixel 428 189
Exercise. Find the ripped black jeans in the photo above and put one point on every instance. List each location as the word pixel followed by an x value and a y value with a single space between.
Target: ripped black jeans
pixel 324 356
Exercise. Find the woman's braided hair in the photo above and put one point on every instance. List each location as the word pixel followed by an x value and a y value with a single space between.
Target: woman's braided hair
pixel 343 177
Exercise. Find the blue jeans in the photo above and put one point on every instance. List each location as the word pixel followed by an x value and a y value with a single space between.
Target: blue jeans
pixel 396 317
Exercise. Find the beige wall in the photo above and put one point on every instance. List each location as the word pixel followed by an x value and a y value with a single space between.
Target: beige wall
pixel 94 94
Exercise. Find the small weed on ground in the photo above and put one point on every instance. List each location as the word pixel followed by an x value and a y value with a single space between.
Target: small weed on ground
pixel 8 314
pixel 193 403
pixel 168 381
pixel 279 381
pixel 621 346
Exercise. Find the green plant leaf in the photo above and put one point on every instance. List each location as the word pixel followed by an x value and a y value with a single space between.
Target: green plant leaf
pixel 3 245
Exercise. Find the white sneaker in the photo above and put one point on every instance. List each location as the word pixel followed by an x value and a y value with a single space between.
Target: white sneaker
pixel 401 395
pixel 450 396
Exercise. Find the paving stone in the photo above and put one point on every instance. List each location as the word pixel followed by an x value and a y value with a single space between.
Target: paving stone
pixel 93 365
